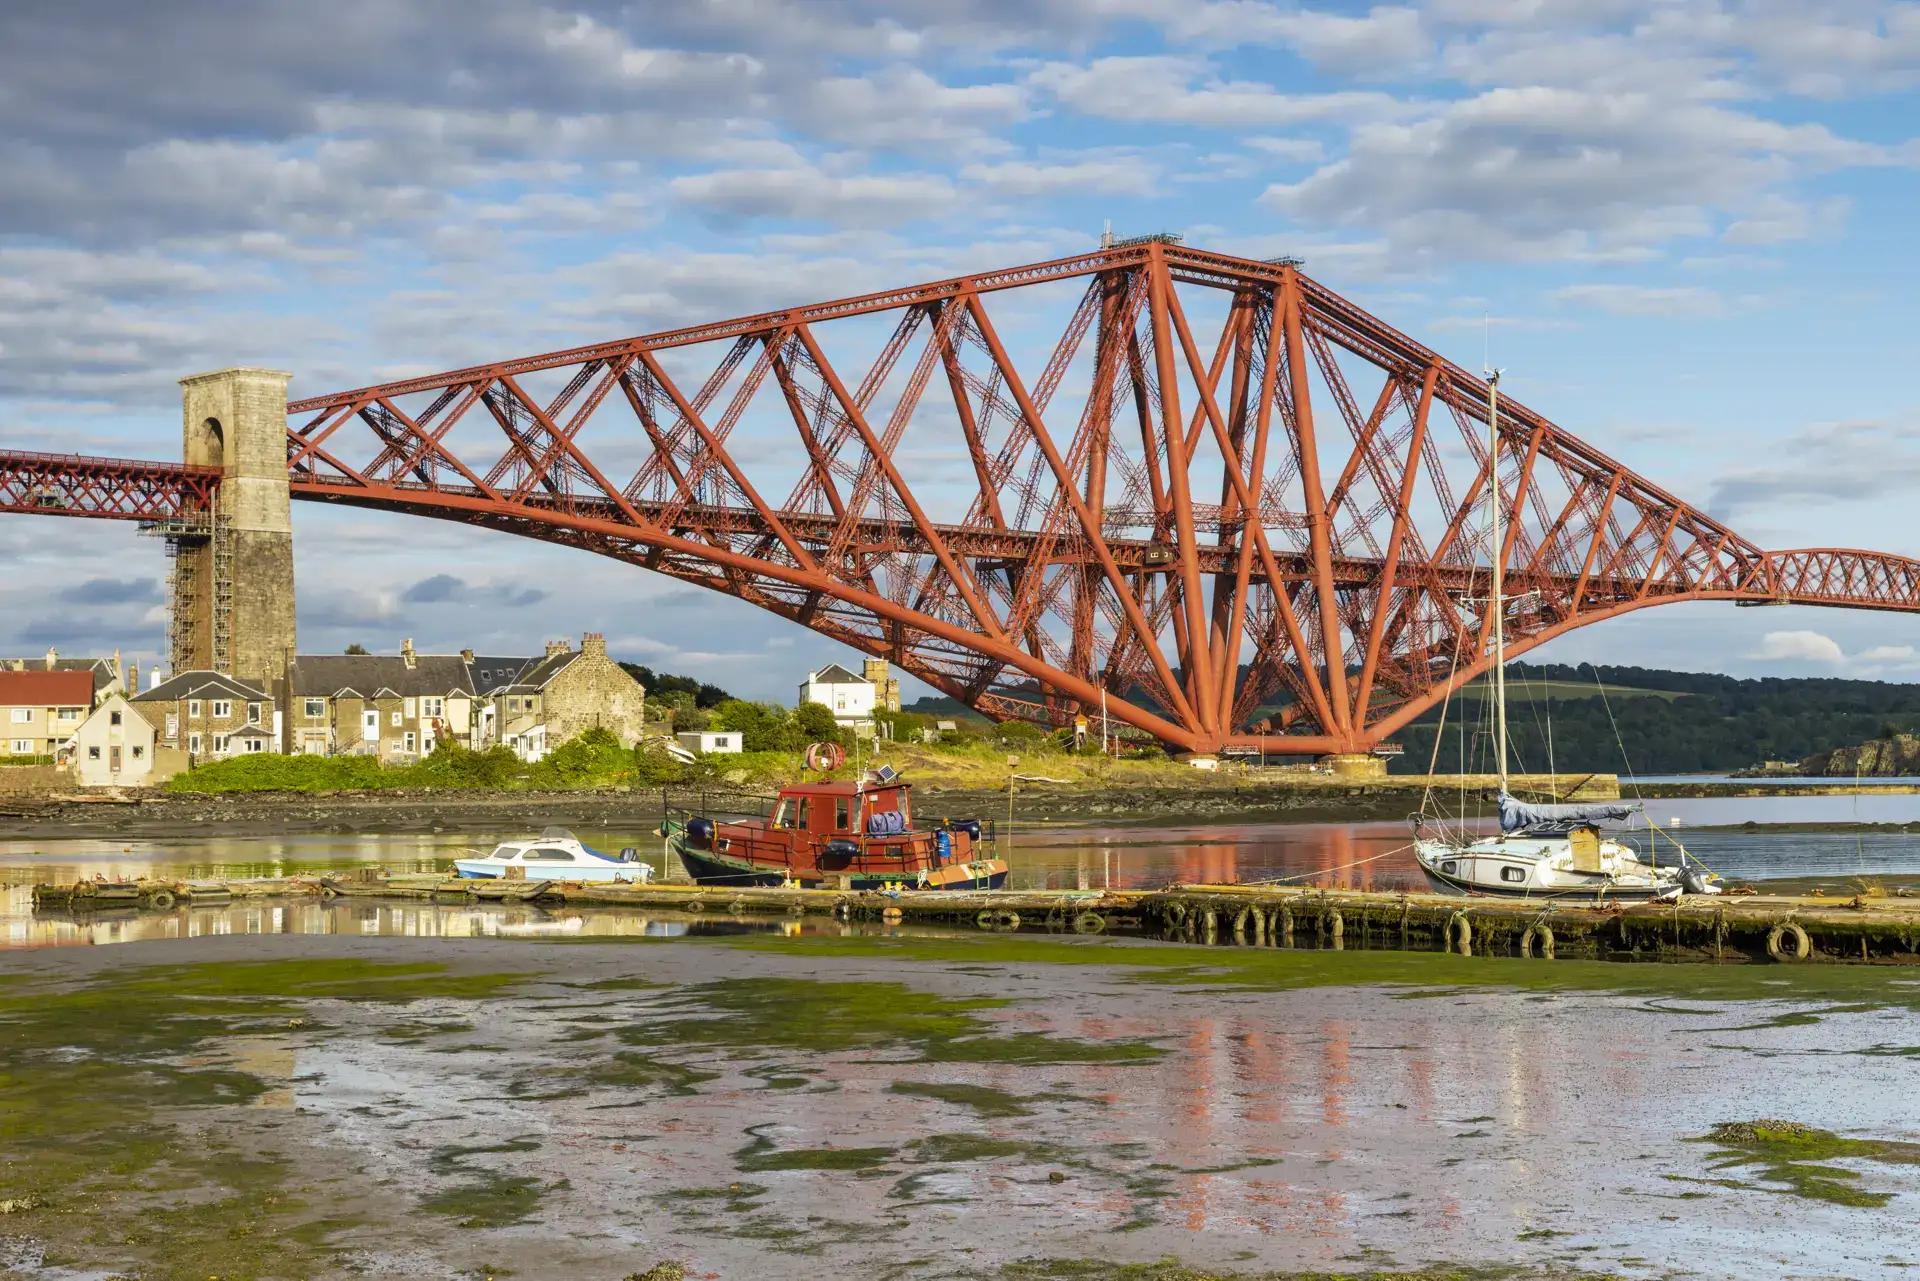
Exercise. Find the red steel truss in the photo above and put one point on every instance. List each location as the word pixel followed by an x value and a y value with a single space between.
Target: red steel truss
pixel 117 488
pixel 1228 506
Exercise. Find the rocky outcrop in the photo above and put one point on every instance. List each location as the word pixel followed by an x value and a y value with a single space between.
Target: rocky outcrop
pixel 1881 758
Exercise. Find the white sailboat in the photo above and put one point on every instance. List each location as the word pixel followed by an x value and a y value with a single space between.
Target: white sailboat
pixel 1542 851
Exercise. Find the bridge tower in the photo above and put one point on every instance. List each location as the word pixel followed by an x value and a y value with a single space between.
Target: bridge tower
pixel 232 608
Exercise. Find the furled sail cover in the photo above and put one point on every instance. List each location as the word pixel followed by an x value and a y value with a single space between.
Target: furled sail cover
pixel 1517 816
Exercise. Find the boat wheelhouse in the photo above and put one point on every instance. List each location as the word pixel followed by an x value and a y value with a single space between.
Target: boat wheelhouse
pixel 857 835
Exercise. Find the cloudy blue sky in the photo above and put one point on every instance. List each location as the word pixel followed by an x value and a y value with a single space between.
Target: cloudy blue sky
pixel 1687 227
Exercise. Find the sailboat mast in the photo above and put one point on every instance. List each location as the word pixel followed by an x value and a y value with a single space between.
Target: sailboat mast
pixel 1499 578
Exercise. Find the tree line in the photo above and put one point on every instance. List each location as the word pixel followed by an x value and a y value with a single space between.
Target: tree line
pixel 1711 724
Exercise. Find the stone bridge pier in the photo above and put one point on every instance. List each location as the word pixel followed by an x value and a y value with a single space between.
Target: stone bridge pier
pixel 232 607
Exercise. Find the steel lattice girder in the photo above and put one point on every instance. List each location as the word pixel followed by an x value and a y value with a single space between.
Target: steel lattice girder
pixel 1275 520
pixel 115 488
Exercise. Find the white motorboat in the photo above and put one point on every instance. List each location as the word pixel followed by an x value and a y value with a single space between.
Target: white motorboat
pixel 1543 851
pixel 555 855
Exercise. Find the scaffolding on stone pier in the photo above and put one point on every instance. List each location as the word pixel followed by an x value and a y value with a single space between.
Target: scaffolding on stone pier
pixel 186 538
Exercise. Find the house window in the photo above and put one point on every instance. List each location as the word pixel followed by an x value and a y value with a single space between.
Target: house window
pixel 222 708
pixel 254 744
pixel 411 706
pixel 113 718
pixel 220 743
pixel 253 713
pixel 93 753
pixel 73 714
pixel 431 708
pixel 395 718
pixel 23 716
pixel 138 751
pixel 316 708
pixel 23 747
pixel 193 744
pixel 407 741
pixel 193 708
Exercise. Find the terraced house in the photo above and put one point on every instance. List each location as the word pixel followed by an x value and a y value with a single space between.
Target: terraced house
pixel 210 716
pixel 39 710
pixel 395 707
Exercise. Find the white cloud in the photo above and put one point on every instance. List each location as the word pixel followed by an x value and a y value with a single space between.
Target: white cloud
pixel 1774 220
pixel 1887 654
pixel 1162 89
pixel 1118 175
pixel 1296 150
pixel 1688 301
pixel 1797 647
pixel 1536 173
pixel 1828 463
pixel 812 195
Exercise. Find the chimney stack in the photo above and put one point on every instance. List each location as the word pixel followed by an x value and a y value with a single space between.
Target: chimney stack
pixel 153 677
pixel 406 652
pixel 594 643
pixel 53 656
pixel 119 672
pixel 558 647
pixel 132 683
pixel 466 656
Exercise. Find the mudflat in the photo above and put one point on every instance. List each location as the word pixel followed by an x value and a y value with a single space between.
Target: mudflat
pixel 850 1107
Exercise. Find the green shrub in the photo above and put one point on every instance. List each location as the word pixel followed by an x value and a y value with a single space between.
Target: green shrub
pixel 763 727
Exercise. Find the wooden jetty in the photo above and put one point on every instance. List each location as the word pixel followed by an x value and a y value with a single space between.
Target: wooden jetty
pixel 1784 929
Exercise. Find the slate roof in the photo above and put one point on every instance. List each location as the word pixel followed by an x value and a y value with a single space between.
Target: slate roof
pixel 378 676
pixel 201 684
pixel 834 674
pixel 535 678
pixel 490 674
pixel 46 689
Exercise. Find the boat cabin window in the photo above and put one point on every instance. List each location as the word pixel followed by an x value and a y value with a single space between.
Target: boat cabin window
pixel 1450 867
pixel 1514 874
pixel 840 814
pixel 802 814
pixel 783 812
pixel 506 851
pixel 550 855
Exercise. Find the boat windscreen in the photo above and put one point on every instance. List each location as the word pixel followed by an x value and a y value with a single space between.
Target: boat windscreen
pixel 556 834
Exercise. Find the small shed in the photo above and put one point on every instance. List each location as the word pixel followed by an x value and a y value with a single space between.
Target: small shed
pixel 709 742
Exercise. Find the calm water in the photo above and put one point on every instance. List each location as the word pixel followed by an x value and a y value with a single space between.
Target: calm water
pixel 1347 855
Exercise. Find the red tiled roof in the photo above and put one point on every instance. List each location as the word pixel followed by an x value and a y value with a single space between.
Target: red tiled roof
pixel 46 689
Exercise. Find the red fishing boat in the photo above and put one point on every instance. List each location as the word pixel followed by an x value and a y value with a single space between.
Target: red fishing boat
pixel 858 835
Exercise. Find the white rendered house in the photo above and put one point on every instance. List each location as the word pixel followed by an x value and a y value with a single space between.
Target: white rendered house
pixel 850 698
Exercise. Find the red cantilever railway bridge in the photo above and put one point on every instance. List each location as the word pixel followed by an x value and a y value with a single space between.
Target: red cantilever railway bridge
pixel 1226 490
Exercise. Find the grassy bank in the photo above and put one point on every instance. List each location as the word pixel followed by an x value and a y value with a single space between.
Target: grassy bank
pixel 597 760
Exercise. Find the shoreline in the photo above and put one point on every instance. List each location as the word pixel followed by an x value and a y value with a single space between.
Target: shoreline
pixel 162 815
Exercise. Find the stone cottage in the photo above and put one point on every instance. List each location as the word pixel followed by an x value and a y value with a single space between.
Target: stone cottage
pixel 566 694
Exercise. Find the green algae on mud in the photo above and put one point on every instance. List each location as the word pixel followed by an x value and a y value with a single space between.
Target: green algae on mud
pixel 985 1101
pixel 99 1077
pixel 1785 1156
pixel 1420 973
pixel 751 1016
